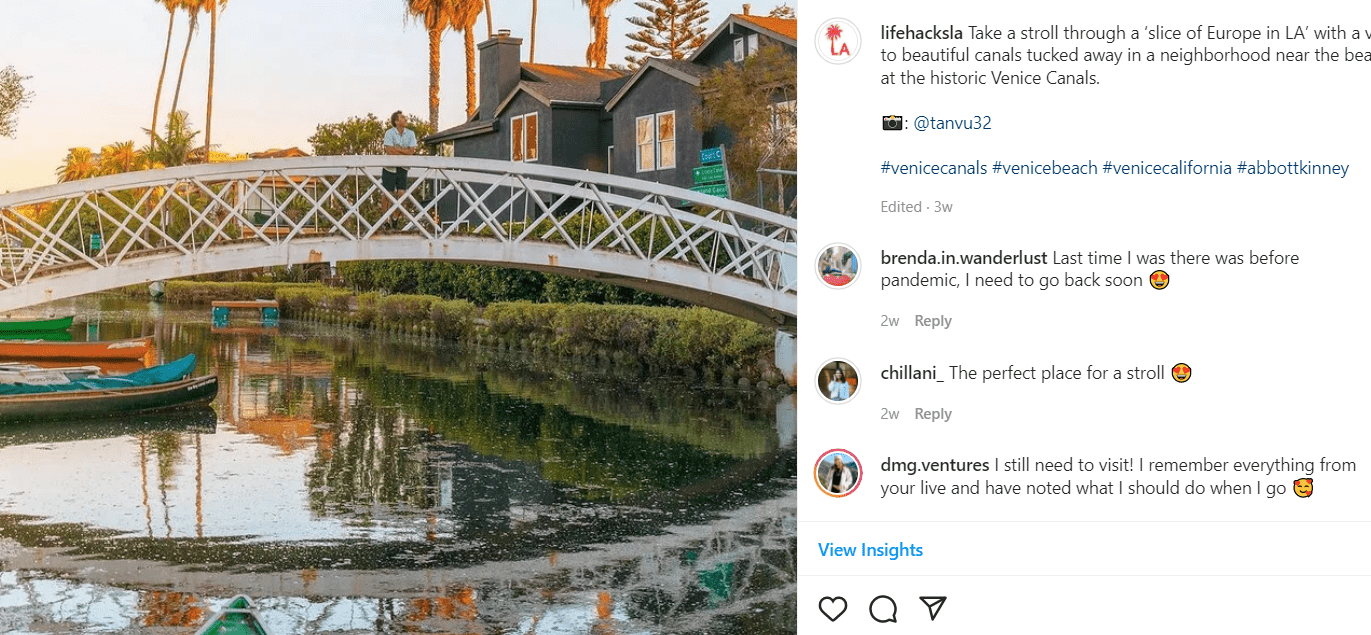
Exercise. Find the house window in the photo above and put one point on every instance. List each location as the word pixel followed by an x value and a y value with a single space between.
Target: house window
pixel 666 140
pixel 784 122
pixel 751 43
pixel 523 137
pixel 656 141
pixel 738 52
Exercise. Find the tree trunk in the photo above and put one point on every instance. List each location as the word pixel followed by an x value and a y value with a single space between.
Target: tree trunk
pixel 435 42
pixel 209 96
pixel 470 42
pixel 490 22
pixel 598 50
pixel 533 32
pixel 157 101
pixel 176 97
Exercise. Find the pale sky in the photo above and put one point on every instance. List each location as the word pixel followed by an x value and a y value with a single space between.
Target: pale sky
pixel 282 67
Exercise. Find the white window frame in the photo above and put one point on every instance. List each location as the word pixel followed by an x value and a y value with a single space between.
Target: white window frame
pixel 752 44
pixel 638 143
pixel 659 159
pixel 739 50
pixel 521 124
pixel 784 116
pixel 662 156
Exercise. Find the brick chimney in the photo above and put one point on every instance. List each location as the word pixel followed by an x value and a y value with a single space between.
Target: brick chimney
pixel 747 9
pixel 499 68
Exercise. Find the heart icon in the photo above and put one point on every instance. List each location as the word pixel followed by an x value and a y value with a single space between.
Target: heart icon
pixel 832 608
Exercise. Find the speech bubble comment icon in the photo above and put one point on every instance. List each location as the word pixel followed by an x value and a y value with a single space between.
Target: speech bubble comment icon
pixel 833 607
pixel 883 609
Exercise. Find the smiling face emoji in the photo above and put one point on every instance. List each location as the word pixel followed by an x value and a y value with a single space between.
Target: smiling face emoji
pixel 1159 279
pixel 1304 487
pixel 1181 372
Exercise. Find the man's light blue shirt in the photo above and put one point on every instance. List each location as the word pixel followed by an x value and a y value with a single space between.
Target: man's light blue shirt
pixel 406 140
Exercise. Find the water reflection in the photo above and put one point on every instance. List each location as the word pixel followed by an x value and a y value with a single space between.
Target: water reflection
pixel 397 485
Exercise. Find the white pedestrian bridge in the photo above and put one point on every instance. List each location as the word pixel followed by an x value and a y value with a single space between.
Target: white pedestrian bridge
pixel 96 234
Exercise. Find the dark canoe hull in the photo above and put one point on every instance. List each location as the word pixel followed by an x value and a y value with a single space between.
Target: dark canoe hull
pixel 16 350
pixel 35 326
pixel 85 404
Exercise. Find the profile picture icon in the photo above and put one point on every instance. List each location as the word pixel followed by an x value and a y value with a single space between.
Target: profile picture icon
pixel 837 265
pixel 837 380
pixel 838 473
pixel 837 40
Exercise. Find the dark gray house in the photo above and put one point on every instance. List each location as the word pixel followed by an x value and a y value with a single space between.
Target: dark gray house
pixel 640 125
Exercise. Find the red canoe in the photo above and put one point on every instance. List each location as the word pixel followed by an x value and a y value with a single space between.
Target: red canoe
pixel 25 350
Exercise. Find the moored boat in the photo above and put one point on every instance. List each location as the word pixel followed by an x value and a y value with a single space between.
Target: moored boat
pixel 46 336
pixel 238 618
pixel 24 350
pixel 35 326
pixel 165 387
pixel 15 373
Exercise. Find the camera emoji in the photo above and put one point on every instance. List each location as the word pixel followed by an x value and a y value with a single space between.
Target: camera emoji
pixel 892 122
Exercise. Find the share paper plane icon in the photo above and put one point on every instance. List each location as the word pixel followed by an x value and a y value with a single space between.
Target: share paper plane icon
pixel 934 604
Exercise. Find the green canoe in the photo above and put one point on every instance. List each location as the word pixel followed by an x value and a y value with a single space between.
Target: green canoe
pixel 35 326
pixel 238 618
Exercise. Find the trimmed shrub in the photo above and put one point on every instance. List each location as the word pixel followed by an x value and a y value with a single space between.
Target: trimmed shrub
pixel 454 319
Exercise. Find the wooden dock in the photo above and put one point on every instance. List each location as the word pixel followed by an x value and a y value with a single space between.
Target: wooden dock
pixel 269 310
pixel 246 304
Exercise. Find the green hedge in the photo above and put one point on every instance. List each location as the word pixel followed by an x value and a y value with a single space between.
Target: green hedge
pixel 298 300
pixel 485 285
pixel 665 336
pixel 454 319
pixel 193 292
pixel 668 337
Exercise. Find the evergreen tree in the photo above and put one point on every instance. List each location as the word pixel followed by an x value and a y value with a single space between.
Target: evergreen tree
pixel 783 11
pixel 671 29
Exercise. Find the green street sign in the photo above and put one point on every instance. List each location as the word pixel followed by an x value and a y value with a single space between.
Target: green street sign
pixel 709 174
pixel 711 155
pixel 95 242
pixel 718 189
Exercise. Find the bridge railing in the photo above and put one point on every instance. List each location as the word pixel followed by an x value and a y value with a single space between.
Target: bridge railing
pixel 103 222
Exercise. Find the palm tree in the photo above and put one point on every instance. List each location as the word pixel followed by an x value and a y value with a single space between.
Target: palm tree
pixel 598 50
pixel 213 7
pixel 174 148
pixel 191 7
pixel 533 32
pixel 171 6
pixel 121 157
pixel 79 164
pixel 467 13
pixel 437 16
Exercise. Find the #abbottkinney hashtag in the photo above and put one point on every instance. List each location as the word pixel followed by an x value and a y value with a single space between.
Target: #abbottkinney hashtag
pixel 1183 167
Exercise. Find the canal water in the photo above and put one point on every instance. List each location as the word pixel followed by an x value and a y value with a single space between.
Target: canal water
pixel 357 482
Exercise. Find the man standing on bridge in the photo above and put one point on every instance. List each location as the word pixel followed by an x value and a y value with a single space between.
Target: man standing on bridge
pixel 398 140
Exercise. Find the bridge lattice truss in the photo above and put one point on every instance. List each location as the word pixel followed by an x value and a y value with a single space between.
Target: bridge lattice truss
pixel 89 235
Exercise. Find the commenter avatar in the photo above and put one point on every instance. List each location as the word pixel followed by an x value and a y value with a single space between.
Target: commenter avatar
pixel 837 473
pixel 837 381
pixel 837 265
